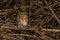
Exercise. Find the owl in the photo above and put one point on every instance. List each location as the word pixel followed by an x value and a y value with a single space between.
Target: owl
pixel 23 20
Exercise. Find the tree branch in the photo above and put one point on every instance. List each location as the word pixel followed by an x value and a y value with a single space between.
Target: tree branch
pixel 52 11
pixel 51 30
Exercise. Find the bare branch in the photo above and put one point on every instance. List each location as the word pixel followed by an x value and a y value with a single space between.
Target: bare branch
pixel 51 30
pixel 52 11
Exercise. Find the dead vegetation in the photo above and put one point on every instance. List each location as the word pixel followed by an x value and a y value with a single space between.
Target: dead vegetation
pixel 29 19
